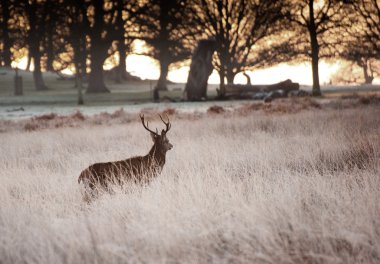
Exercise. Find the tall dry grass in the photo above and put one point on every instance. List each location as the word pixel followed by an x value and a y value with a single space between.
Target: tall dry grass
pixel 290 188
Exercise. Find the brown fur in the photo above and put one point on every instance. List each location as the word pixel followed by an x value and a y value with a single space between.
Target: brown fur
pixel 136 169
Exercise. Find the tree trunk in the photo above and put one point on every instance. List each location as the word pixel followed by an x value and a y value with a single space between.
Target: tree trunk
pixel 80 94
pixel 200 69
pixel 79 62
pixel 368 78
pixel 7 51
pixel 78 43
pixel 47 30
pixel 98 50
pixel 315 69
pixel 230 77
pixel 222 86
pixel 37 74
pixel 96 79
pixel 164 69
pixel 121 72
pixel 314 51
pixel 163 46
pixel 50 50
pixel 248 78
pixel 34 41
pixel 82 58
pixel 28 62
pixel 78 83
pixel 6 40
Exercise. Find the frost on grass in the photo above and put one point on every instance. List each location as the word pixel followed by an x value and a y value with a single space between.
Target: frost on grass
pixel 189 111
pixel 255 188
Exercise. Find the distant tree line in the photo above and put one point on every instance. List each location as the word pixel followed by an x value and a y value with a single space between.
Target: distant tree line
pixel 250 34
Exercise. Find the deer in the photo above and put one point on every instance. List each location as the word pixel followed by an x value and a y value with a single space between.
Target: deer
pixel 138 169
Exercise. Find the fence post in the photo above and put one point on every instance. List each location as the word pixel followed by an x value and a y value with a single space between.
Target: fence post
pixel 18 84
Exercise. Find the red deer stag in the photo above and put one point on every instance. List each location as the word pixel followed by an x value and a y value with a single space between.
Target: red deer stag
pixel 138 169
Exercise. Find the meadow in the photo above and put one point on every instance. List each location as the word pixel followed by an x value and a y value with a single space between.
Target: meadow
pixel 242 186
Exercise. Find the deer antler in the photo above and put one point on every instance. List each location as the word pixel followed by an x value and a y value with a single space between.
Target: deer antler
pixel 147 124
pixel 167 124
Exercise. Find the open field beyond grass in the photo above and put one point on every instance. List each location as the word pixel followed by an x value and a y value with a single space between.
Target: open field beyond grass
pixel 64 93
pixel 249 186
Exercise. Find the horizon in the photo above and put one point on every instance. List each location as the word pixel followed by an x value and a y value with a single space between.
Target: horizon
pixel 147 68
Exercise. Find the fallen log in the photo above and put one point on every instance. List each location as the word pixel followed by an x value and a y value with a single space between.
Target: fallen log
pixel 243 90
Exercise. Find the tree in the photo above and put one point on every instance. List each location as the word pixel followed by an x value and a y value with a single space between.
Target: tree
pixel 240 29
pixel 362 41
pixel 5 13
pixel 124 42
pixel 352 72
pixel 200 69
pixel 166 26
pixel 73 32
pixel 368 12
pixel 358 52
pixel 35 12
pixel 315 24
pixel 101 20
pixel 52 19
pixel 107 20
pixel 369 69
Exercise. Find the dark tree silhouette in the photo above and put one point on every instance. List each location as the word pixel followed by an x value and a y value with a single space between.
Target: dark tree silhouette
pixel 368 70
pixel 315 25
pixel 351 72
pixel 124 41
pixel 52 18
pixel 360 52
pixel 362 44
pixel 368 12
pixel 166 26
pixel 107 24
pixel 100 41
pixel 73 32
pixel 200 69
pixel 6 41
pixel 73 36
pixel 35 13
pixel 238 27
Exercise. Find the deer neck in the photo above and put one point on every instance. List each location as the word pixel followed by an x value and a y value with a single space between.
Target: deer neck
pixel 157 155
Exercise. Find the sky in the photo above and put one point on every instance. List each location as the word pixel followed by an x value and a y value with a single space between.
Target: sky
pixel 146 68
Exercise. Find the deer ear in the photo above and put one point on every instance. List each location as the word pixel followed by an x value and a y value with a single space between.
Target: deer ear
pixel 163 132
pixel 153 136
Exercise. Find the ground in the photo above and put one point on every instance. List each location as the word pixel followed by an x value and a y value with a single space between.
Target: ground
pixel 292 181
pixel 288 182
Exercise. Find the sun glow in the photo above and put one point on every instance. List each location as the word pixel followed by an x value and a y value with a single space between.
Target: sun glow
pixel 147 68
pixel 22 63
pixel 300 73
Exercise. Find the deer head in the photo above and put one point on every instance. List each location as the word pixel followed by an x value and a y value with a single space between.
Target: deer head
pixel 160 141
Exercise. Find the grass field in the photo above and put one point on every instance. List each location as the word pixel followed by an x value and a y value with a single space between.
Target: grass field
pixel 63 92
pixel 253 185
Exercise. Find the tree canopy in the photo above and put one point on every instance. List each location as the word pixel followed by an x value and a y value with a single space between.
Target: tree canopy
pixel 238 28
pixel 249 34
